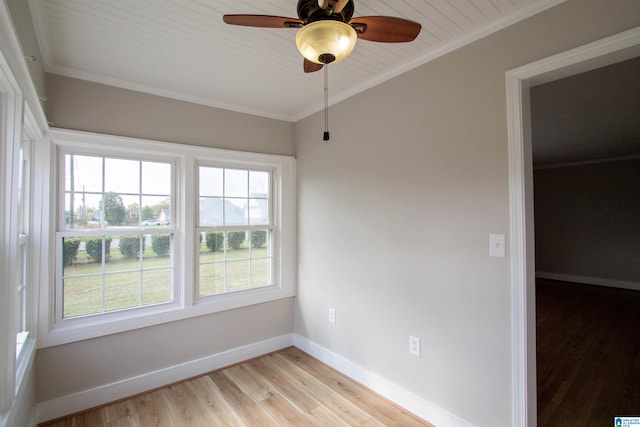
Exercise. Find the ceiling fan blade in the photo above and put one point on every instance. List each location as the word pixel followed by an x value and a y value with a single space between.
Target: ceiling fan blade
pixel 386 29
pixel 263 21
pixel 311 67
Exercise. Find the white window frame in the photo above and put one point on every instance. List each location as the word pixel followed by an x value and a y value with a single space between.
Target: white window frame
pixel 54 330
pixel 63 232
pixel 16 122
pixel 11 102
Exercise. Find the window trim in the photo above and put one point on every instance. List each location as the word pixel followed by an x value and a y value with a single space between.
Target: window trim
pixel 11 110
pixel 188 305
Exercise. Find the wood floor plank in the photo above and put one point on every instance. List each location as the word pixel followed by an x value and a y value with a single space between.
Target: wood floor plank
pixel 149 414
pixel 588 341
pixel 250 381
pixel 336 403
pixel 120 415
pixel 251 413
pixel 285 389
pixel 375 405
pixel 210 396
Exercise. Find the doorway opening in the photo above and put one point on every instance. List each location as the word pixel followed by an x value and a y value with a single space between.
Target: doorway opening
pixel 610 50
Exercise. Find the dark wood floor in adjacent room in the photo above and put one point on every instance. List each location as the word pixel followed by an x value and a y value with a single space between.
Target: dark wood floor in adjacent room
pixel 588 354
pixel 286 388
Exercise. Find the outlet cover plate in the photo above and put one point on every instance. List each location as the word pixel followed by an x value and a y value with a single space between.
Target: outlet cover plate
pixel 497 245
pixel 414 345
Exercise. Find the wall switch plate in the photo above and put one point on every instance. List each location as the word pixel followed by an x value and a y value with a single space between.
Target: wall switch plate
pixel 497 245
pixel 414 345
pixel 332 315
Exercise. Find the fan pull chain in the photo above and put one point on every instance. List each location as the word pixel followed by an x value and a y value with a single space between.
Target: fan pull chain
pixel 325 137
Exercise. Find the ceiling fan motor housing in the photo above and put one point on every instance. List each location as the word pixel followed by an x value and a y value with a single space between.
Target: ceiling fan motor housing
pixel 309 11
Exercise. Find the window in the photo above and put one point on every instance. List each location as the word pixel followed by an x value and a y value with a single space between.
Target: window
pixel 150 232
pixel 22 261
pixel 235 230
pixel 113 257
pixel 17 344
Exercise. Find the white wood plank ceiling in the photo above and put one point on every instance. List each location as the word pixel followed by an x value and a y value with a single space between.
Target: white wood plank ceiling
pixel 182 49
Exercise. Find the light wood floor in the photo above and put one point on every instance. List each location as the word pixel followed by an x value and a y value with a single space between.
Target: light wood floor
pixel 588 354
pixel 286 388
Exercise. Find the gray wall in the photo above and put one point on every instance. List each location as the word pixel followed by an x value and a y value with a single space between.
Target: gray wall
pixel 588 221
pixel 70 368
pixel 80 105
pixel 395 215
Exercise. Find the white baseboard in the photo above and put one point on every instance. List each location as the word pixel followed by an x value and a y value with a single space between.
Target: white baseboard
pixel 80 401
pixel 389 390
pixel 597 281
pixel 86 399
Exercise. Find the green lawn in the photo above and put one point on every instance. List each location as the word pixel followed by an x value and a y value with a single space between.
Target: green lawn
pixel 132 283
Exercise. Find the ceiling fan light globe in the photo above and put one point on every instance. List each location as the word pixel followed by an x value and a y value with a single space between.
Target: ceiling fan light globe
pixel 323 39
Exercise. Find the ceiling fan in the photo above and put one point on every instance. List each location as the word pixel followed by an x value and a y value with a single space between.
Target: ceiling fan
pixel 328 33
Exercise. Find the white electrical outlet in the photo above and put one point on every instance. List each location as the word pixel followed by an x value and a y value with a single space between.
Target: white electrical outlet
pixel 332 315
pixel 414 345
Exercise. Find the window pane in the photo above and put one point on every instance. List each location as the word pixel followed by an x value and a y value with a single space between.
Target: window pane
pixel 115 212
pixel 234 212
pixel 21 270
pixel 122 203
pixel 258 211
pixel 156 178
pixel 122 176
pixel 82 296
pixel 236 183
pixel 211 211
pixel 237 275
pixel 157 269
pixel 260 272
pixel 210 181
pixel 156 210
pixel 211 278
pixel 160 254
pixel 259 242
pixel 156 286
pixel 121 290
pixel 136 270
pixel 132 210
pixel 84 172
pixel 211 246
pixel 259 184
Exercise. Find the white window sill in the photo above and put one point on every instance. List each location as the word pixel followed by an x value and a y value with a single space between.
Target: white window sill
pixel 70 331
